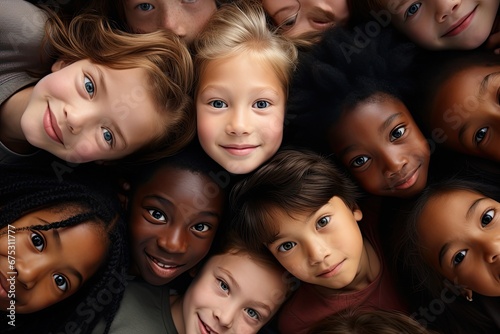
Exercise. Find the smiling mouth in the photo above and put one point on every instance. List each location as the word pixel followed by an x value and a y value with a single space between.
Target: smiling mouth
pixel 163 265
pixel 461 25
pixel 408 181
pixel 239 150
pixel 205 328
pixel 51 127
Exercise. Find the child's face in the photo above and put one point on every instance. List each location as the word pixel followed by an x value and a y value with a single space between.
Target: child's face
pixel 466 112
pixel 444 24
pixel 185 18
pixel 459 233
pixel 240 109
pixel 323 248
pixel 173 220
pixel 382 147
pixel 298 17
pixel 86 112
pixel 232 294
pixel 51 265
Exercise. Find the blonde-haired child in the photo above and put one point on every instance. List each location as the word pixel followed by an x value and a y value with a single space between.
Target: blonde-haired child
pixel 243 71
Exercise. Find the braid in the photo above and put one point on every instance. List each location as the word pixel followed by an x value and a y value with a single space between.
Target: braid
pixel 89 197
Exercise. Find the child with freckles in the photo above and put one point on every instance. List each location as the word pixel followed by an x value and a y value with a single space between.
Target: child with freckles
pixel 300 208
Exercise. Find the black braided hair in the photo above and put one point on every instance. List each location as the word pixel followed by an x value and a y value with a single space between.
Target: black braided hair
pixel 25 189
pixel 346 67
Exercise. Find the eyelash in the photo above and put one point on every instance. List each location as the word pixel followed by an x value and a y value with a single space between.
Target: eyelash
pixel 394 138
pixel 88 80
pixel 206 227
pixel 355 164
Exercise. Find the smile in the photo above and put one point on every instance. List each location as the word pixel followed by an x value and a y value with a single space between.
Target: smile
pixel 331 271
pixel 162 269
pixel 204 328
pixel 461 25
pixel 240 150
pixel 408 181
pixel 51 127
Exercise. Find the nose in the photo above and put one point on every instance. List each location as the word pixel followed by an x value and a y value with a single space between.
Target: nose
pixel 445 8
pixel 492 251
pixel 29 272
pixel 238 123
pixel 393 163
pixel 175 23
pixel 225 316
pixel 173 240
pixel 317 252
pixel 79 118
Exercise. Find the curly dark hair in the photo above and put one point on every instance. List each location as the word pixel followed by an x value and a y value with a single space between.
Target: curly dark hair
pixel 25 189
pixel 347 67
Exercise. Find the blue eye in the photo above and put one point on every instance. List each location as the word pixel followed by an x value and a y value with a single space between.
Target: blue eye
pixel 223 285
pixel 252 313
pixel 107 135
pixel 218 104
pixel 61 282
pixel 145 6
pixel 397 133
pixel 286 246
pixel 480 135
pixel 413 9
pixel 37 241
pixel 359 161
pixel 89 86
pixel 261 104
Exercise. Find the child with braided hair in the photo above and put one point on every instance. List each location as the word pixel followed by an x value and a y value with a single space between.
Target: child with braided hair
pixel 62 250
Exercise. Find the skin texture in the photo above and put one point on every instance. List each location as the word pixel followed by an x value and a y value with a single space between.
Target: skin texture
pixel 444 24
pixel 173 220
pixel 47 269
pixel 466 109
pixel 85 112
pixel 296 17
pixel 186 18
pixel 459 233
pixel 240 108
pixel 325 248
pixel 382 148
pixel 228 296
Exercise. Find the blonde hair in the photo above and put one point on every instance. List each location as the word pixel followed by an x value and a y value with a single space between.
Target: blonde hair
pixel 241 27
pixel 161 54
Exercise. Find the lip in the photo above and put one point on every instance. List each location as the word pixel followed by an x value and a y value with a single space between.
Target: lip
pixel 161 268
pixel 460 25
pixel 51 127
pixel 239 150
pixel 408 181
pixel 331 271
pixel 204 328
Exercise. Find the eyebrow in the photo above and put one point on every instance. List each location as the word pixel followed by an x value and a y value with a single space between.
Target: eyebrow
pixel 483 86
pixel 388 122
pixel 468 215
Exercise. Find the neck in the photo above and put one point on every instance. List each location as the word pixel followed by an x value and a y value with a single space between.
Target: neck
pixel 369 267
pixel 11 112
pixel 177 314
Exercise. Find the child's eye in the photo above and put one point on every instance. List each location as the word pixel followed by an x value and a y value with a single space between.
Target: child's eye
pixel 261 104
pixel 108 136
pixel 487 217
pixel 218 104
pixel 413 9
pixel 223 285
pixel 145 6
pixel 286 246
pixel 252 313
pixel 61 282
pixel 37 241
pixel 201 227
pixel 359 161
pixel 480 134
pixel 158 215
pixel 322 222
pixel 288 23
pixel 459 257
pixel 88 85
pixel 397 133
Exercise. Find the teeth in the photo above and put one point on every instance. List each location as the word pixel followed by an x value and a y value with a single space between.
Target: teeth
pixel 161 264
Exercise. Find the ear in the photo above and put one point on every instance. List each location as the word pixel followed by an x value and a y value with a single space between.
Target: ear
pixel 59 64
pixel 358 215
